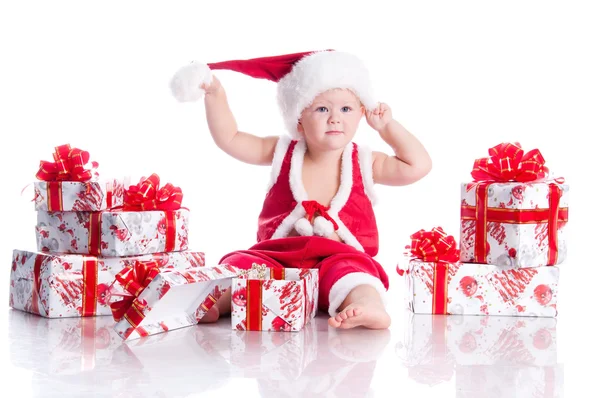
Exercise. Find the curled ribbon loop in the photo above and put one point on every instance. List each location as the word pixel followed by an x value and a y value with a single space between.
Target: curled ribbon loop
pixel 312 207
pixel 434 246
pixel 69 165
pixel 508 162
pixel 134 280
pixel 147 195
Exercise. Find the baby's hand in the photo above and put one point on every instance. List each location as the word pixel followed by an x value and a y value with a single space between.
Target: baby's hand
pixel 213 87
pixel 379 117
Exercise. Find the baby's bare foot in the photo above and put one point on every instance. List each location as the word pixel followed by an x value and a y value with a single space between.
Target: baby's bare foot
pixel 371 315
pixel 211 316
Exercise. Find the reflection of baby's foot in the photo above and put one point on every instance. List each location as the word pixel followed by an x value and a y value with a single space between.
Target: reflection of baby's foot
pixel 360 345
pixel 369 314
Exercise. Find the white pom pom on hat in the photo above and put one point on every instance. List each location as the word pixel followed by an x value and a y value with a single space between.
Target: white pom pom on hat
pixel 300 78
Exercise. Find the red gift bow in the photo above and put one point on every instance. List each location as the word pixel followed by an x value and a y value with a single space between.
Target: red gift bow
pixel 69 165
pixel 508 162
pixel 312 207
pixel 134 280
pixel 146 195
pixel 434 246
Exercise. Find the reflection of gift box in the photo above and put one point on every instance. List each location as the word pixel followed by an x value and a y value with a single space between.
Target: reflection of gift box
pixel 512 215
pixel 62 346
pixel 73 285
pixel 282 356
pixel 112 233
pixel 274 299
pixel 165 300
pixel 78 196
pixel 509 381
pixel 481 289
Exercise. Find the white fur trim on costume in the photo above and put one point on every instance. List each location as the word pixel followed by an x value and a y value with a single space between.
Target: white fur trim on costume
pixel 340 289
pixel 365 160
pixel 280 150
pixel 185 84
pixel 323 227
pixel 343 193
pixel 317 73
pixel 303 227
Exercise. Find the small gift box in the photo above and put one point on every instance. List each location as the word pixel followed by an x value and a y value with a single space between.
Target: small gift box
pixel 270 299
pixel 437 283
pixel 71 183
pixel 73 285
pixel 160 301
pixel 150 221
pixel 513 214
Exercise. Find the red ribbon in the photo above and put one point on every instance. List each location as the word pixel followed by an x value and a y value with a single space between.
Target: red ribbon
pixel 254 303
pixel 313 207
pixel 147 195
pixel 434 246
pixel 69 165
pixel 508 162
pixel 134 280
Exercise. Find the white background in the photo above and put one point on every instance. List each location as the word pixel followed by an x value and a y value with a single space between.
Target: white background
pixel 462 76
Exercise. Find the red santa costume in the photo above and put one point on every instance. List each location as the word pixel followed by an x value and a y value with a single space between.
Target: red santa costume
pixel 287 207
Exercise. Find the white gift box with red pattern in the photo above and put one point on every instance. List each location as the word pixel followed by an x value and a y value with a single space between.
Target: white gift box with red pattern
pixel 112 233
pixel 74 285
pixel 78 196
pixel 509 381
pixel 284 300
pixel 257 354
pixel 167 300
pixel 481 289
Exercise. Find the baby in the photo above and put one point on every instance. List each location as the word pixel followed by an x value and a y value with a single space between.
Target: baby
pixel 318 210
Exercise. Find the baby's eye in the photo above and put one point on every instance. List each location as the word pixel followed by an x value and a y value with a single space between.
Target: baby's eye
pixel 321 109
pixel 346 109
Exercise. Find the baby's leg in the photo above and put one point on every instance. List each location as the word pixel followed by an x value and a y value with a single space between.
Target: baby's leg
pixel 362 307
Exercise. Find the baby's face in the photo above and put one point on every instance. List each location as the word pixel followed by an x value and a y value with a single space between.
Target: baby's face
pixel 330 122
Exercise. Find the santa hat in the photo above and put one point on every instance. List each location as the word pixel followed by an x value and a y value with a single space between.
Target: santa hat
pixel 300 78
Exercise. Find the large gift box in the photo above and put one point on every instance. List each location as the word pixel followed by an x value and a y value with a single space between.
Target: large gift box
pixel 70 183
pixel 151 220
pixel 513 214
pixel 437 283
pixel 73 285
pixel 160 301
pixel 271 299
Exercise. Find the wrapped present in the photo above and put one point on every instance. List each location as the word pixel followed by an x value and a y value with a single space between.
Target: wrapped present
pixel 436 341
pixel 271 299
pixel 437 283
pixel 160 301
pixel 70 183
pixel 509 381
pixel 73 285
pixel 66 346
pixel 258 354
pixel 151 220
pixel 513 213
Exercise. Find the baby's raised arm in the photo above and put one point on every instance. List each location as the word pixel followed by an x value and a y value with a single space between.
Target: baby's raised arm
pixel 245 147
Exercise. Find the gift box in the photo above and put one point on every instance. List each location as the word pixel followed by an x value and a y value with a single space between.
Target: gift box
pixel 258 354
pixel 73 285
pixel 436 340
pixel 509 381
pixel 438 284
pixel 160 301
pixel 270 299
pixel 112 233
pixel 66 346
pixel 513 214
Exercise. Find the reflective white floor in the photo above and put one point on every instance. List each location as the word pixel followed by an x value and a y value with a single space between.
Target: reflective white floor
pixel 420 354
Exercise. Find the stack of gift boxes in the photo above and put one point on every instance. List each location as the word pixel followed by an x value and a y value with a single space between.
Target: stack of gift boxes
pixel 105 247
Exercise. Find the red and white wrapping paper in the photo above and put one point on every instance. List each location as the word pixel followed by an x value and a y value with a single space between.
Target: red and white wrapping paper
pixel 258 354
pixel 113 233
pixel 73 285
pixel 481 289
pixel 513 214
pixel 285 300
pixel 160 301
pixel 78 195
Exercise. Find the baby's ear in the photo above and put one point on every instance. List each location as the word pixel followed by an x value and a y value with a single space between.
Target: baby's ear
pixel 300 128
